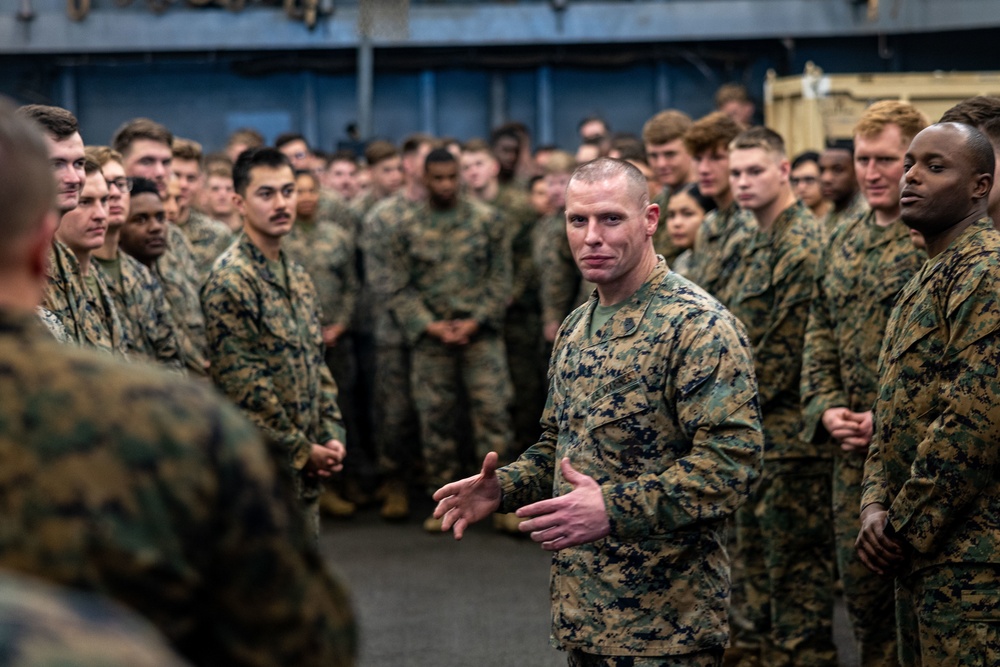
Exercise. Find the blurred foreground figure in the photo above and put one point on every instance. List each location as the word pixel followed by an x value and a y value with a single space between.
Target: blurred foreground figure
pixel 134 483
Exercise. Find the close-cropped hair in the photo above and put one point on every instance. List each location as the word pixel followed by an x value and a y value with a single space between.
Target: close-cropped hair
pixel 439 156
pixel 759 137
pixel 713 131
pixel 57 121
pixel 508 130
pixel 27 189
pixel 246 135
pixel 342 155
pixel 731 92
pixel 878 116
pixel 140 128
pixel 560 162
pixel 666 126
pixel 186 149
pixel 252 158
pixel 378 151
pixel 981 112
pixel 287 138
pixel 142 186
pixel 476 146
pixel 103 155
pixel 804 157
pixel 413 142
pixel 607 168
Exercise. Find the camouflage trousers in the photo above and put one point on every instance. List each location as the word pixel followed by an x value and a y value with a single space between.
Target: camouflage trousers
pixel 785 539
pixel 446 378
pixel 527 363
pixel 870 598
pixel 709 658
pixel 397 431
pixel 949 616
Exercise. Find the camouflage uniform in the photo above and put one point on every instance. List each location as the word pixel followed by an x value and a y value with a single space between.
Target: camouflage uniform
pixel 54 326
pixel 139 300
pixel 397 429
pixel 718 248
pixel 50 626
pixel 861 272
pixel 662 242
pixel 856 208
pixel 208 238
pixel 933 458
pixel 562 288
pixel 266 349
pixel 176 273
pixel 448 265
pixel 90 320
pixel 522 330
pixel 660 408
pixel 132 482
pixel 784 533
pixel 334 209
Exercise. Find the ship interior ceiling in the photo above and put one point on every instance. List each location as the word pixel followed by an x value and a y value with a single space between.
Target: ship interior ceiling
pixel 460 88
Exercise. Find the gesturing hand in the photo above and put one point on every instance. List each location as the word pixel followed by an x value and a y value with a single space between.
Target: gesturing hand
pixel 469 500
pixel 576 518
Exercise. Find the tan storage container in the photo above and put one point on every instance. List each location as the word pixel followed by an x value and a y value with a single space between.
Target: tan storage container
pixel 807 110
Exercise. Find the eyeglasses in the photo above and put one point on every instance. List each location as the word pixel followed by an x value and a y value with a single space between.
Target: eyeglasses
pixel 122 183
pixel 803 180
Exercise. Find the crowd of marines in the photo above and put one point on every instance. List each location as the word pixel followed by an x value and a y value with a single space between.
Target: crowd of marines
pixel 799 393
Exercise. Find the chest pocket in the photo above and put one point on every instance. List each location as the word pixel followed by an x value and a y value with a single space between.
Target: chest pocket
pixel 426 249
pixel 617 400
pixel 920 324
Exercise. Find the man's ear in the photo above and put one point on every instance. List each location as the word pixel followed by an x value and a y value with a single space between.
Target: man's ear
pixel 983 185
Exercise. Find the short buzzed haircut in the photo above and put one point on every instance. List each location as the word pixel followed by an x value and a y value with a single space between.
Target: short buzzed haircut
pixel 103 155
pixel 246 135
pixel 731 92
pixel 476 146
pixel 979 148
pixel 27 189
pixel 186 149
pixel 666 126
pixel 606 168
pixel 805 158
pixel 140 128
pixel 343 155
pixel 508 130
pixel 713 131
pixel 91 166
pixel 413 142
pixel 378 151
pixel 256 157
pixel 880 115
pixel 759 137
pixel 439 156
pixel 560 162
pixel 144 186
pixel 629 147
pixel 57 121
pixel 981 112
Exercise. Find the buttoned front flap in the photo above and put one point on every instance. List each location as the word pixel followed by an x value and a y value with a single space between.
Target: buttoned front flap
pixel 616 400
pixel 918 325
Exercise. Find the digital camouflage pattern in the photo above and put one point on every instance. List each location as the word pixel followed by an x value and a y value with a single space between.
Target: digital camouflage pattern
pixel 208 238
pixel 48 626
pixel 266 350
pixel 949 615
pixel 856 208
pixel 135 483
pixel 718 247
pixel 522 331
pixel 937 423
pixel 449 265
pixel 860 273
pixel 326 252
pixel 770 292
pixel 177 274
pixel 333 208
pixel 90 319
pixel 662 243
pixel 660 408
pixel 788 579
pixel 143 310
pixel 561 287
pixel 396 427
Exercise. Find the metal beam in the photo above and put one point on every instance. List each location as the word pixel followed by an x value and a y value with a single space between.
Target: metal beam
pixel 108 29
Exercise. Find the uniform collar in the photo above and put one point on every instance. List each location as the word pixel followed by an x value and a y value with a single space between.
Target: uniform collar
pixel 626 320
